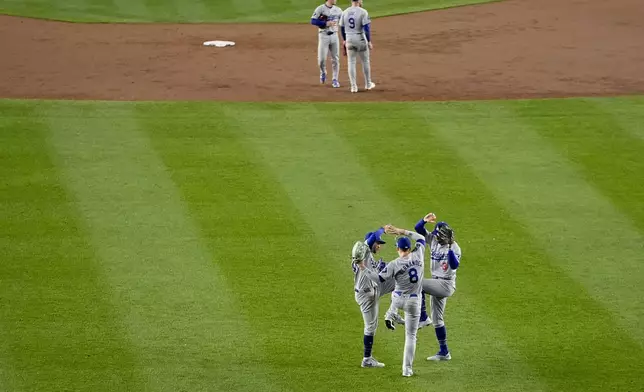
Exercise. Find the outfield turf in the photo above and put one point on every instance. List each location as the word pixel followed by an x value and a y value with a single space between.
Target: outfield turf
pixel 203 11
pixel 204 246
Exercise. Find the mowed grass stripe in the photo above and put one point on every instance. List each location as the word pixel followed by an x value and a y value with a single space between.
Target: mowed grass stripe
pixel 286 281
pixel 578 322
pixel 161 11
pixel 131 9
pixel 178 310
pixel 609 157
pixel 628 112
pixel 58 329
pixel 190 10
pixel 339 198
pixel 267 255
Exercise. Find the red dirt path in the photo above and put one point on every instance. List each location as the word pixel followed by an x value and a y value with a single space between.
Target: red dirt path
pixel 511 49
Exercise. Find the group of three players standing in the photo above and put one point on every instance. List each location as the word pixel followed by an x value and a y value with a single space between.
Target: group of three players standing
pixel 404 278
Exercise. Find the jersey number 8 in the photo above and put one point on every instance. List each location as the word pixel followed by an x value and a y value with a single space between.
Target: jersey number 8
pixel 413 275
pixel 352 23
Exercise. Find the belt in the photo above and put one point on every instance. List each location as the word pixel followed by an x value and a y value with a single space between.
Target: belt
pixel 399 293
pixel 440 277
pixel 328 32
pixel 362 291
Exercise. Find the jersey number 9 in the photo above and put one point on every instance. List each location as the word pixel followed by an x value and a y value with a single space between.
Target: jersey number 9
pixel 413 275
pixel 352 23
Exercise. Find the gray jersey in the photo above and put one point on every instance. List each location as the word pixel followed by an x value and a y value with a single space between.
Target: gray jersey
pixel 354 19
pixel 439 265
pixel 332 14
pixel 361 282
pixel 408 271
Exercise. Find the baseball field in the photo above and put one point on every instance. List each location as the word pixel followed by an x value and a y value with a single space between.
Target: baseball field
pixel 175 217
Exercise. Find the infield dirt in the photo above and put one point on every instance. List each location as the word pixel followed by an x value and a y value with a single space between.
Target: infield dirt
pixel 509 49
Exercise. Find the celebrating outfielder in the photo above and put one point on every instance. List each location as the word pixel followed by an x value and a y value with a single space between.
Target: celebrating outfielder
pixel 367 293
pixel 407 271
pixel 355 25
pixel 445 260
pixel 326 18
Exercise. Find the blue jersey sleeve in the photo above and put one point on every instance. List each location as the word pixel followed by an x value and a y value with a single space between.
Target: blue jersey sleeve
pixel 420 227
pixel 375 237
pixel 367 32
pixel 452 260
pixel 318 22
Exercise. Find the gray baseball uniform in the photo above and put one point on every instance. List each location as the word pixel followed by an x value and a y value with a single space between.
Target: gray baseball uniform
pixel 367 294
pixel 328 40
pixel 408 272
pixel 443 281
pixel 353 20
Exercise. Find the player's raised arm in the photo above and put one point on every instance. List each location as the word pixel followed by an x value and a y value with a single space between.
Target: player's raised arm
pixel 420 226
pixel 418 238
pixel 375 237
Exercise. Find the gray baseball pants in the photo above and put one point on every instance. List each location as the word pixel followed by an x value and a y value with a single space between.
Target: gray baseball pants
pixel 357 47
pixel 329 44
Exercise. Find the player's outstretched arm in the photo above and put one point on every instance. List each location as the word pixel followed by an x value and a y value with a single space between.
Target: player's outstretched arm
pixel 390 229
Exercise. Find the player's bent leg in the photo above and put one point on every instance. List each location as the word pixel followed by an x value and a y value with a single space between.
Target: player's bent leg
pixel 391 316
pixel 425 319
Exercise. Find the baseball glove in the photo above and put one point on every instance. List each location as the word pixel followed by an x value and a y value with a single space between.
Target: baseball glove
pixel 444 234
pixel 359 252
pixel 323 17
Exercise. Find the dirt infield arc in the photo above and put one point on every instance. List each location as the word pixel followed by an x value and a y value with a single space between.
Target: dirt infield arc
pixel 510 49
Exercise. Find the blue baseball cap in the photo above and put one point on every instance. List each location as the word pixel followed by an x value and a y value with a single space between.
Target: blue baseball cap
pixel 403 243
pixel 378 239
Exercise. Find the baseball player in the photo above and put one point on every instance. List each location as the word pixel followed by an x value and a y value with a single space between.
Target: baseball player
pixel 407 271
pixel 355 26
pixel 445 260
pixel 367 293
pixel 326 18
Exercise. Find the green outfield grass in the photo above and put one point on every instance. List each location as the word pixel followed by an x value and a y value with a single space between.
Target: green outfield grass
pixel 203 11
pixel 204 246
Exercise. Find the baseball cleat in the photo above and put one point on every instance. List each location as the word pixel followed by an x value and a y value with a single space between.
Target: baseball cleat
pixel 440 357
pixel 390 325
pixel 371 363
pixel 396 318
pixel 425 323
pixel 408 373
pixel 322 78
pixel 354 89
pixel 335 84
pixel 371 86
